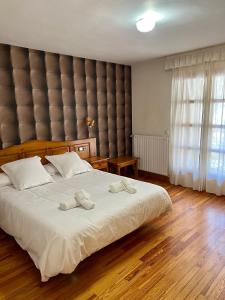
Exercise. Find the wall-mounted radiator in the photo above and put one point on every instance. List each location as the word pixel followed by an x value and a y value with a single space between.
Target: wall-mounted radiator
pixel 153 152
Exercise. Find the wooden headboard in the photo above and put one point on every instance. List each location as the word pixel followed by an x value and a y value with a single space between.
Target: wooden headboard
pixel 85 148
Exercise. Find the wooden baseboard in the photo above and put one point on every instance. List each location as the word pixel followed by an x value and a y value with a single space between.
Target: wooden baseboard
pixel 153 175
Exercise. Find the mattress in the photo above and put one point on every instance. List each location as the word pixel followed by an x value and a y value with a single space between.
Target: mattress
pixel 58 240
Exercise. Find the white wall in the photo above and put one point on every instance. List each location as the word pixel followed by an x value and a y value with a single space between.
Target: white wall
pixel 151 94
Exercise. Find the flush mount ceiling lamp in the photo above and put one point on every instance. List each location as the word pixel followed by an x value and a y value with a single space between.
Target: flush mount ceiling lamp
pixel 147 23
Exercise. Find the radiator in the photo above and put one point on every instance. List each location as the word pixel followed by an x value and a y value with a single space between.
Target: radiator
pixel 153 153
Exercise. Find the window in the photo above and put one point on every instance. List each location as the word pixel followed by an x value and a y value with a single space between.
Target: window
pixel 198 126
pixel 216 142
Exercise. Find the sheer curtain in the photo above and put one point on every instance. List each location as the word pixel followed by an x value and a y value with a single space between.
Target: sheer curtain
pixel 215 168
pixel 197 136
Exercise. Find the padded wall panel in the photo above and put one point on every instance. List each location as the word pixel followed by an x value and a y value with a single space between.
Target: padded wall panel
pixel 47 96
pixel 80 96
pixel 102 108
pixel 23 93
pixel 40 94
pixel 92 105
pixel 55 96
pixel 8 117
pixel 69 110
pixel 128 112
pixel 120 109
pixel 111 108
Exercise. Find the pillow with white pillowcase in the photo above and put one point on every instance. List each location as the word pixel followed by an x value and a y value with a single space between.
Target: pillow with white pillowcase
pixel 4 180
pixel 68 164
pixel 26 173
pixel 89 166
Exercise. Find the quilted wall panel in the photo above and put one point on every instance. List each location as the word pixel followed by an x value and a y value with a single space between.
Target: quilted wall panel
pixel 80 96
pixel 48 96
pixel 8 109
pixel 40 95
pixel 23 93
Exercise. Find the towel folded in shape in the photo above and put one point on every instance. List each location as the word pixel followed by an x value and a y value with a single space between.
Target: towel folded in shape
pixel 68 204
pixel 123 185
pixel 116 187
pixel 83 198
pixel 128 186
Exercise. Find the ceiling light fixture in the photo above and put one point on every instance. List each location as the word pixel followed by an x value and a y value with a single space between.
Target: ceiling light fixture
pixel 145 25
pixel 147 22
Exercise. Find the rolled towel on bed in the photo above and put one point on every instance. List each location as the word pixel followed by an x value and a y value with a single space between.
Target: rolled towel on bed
pixel 116 187
pixel 83 198
pixel 68 204
pixel 128 186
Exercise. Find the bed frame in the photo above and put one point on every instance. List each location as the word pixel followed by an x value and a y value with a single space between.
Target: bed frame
pixel 85 148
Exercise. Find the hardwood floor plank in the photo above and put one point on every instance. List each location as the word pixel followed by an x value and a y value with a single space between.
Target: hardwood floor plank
pixel 217 286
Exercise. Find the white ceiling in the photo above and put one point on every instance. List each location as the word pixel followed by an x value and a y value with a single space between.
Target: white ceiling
pixel 105 29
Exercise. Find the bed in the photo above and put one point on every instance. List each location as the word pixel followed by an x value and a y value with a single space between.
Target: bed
pixel 56 240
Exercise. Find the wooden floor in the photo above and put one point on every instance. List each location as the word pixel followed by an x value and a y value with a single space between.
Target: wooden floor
pixel 179 256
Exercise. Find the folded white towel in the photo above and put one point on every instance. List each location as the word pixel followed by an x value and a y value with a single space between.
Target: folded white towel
pixel 123 185
pixel 70 203
pixel 116 187
pixel 83 198
pixel 128 186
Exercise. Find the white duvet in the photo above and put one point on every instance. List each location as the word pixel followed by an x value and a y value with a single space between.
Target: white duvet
pixel 58 240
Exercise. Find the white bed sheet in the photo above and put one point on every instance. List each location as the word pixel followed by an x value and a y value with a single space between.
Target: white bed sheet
pixel 58 240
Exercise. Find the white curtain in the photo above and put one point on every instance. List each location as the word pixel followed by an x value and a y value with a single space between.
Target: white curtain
pixel 197 140
pixel 196 57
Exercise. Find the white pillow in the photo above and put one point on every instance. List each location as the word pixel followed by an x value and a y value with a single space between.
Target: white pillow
pixel 68 164
pixel 51 169
pixel 4 180
pixel 89 166
pixel 26 173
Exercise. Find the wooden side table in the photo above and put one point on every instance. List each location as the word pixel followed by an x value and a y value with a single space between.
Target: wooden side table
pixel 98 162
pixel 123 161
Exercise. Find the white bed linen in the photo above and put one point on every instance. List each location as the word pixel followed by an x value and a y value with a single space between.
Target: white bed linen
pixel 58 240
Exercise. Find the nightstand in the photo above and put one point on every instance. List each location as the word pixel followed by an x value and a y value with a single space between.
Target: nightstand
pixel 98 162
pixel 116 164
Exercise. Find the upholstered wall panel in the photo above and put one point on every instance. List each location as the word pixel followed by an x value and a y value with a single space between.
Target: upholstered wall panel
pixel 23 93
pixel 80 96
pixel 127 110
pixel 120 109
pixel 55 96
pixel 8 115
pixel 91 96
pixel 102 108
pixel 48 96
pixel 40 94
pixel 68 97
pixel 111 108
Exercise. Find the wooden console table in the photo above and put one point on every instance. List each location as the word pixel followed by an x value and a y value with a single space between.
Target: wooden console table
pixel 116 164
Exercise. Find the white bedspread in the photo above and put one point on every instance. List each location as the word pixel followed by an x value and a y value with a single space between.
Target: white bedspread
pixel 58 240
